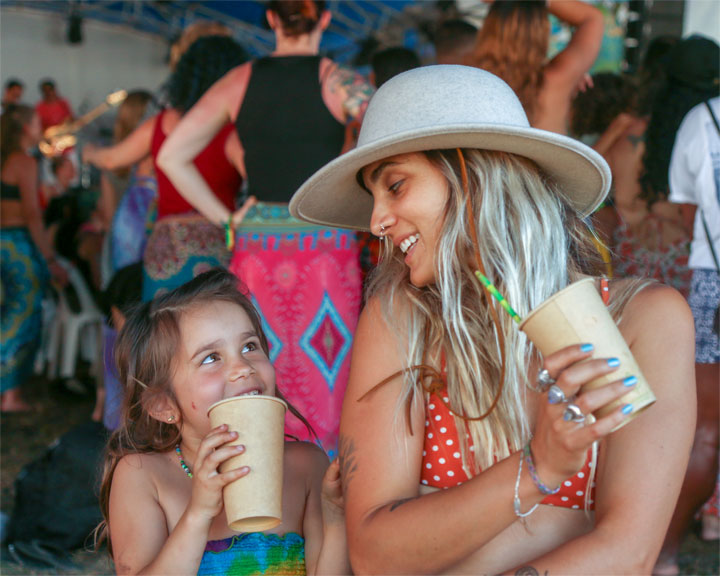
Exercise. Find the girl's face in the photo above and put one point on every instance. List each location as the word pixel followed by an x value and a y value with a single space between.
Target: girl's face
pixel 409 198
pixel 219 357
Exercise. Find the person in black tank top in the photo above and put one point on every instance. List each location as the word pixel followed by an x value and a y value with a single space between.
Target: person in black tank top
pixel 291 127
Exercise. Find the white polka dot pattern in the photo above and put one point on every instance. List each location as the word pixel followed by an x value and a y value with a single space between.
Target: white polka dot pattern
pixel 443 467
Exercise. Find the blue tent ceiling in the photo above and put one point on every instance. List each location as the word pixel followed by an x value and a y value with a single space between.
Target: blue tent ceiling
pixel 355 23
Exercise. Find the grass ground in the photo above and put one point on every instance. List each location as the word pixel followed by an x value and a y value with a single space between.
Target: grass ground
pixel 25 437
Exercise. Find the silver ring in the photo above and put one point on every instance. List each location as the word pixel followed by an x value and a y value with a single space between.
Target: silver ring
pixel 544 380
pixel 556 395
pixel 382 229
pixel 573 414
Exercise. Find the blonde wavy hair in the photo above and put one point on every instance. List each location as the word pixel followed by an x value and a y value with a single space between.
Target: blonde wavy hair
pixel 513 44
pixel 532 244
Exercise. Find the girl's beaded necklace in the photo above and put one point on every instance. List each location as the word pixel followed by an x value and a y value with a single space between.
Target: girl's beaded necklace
pixel 184 466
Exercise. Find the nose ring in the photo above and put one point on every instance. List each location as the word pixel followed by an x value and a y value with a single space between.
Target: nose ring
pixel 382 229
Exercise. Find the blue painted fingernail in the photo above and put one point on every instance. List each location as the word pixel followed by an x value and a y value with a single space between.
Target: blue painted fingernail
pixel 630 381
pixel 627 409
pixel 587 348
pixel 613 362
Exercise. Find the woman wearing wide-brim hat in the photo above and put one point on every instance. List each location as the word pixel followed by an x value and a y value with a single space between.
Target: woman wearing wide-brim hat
pixel 462 450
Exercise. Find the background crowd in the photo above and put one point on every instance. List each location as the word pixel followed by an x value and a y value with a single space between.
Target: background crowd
pixel 200 174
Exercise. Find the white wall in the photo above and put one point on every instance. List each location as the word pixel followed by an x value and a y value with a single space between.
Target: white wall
pixel 111 57
pixel 702 17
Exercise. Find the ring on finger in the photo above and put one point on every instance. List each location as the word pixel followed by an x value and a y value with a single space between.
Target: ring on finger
pixel 556 395
pixel 573 414
pixel 544 380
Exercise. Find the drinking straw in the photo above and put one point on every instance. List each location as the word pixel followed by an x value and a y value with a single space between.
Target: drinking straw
pixel 499 297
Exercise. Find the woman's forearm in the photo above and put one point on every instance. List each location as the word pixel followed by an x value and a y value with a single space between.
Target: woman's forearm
pixel 574 12
pixel 40 237
pixel 588 554
pixel 463 520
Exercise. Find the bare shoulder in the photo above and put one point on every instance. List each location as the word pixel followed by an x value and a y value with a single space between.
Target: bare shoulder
pixel 656 311
pixel 305 460
pixel 305 453
pixel 140 470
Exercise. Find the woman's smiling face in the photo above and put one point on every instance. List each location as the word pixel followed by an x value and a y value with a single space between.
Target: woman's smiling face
pixel 409 198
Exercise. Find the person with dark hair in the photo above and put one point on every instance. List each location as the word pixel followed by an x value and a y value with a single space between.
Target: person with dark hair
pixel 123 292
pixel 593 110
pixel 52 109
pixel 391 62
pixel 290 110
pixel 646 233
pixel 454 41
pixel 12 92
pixel 26 254
pixel 162 490
pixel 513 44
pixel 183 243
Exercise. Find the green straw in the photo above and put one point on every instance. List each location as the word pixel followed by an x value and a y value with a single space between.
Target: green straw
pixel 499 297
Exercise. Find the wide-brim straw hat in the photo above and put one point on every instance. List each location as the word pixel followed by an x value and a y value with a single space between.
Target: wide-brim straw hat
pixel 445 107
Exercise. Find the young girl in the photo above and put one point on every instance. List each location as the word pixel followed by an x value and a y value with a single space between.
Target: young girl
pixel 161 494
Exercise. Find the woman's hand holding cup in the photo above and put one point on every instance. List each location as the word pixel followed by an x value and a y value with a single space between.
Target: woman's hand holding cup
pixel 562 438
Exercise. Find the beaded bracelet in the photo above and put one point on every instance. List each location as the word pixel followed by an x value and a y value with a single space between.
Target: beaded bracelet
pixel 516 500
pixel 533 474
pixel 229 234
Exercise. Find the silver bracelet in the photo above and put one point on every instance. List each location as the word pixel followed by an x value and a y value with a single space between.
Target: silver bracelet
pixel 516 500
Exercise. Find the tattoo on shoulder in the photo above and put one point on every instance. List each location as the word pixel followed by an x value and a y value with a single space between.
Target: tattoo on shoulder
pixel 348 460
pixel 395 505
pixel 530 571
pixel 356 89
pixel 635 140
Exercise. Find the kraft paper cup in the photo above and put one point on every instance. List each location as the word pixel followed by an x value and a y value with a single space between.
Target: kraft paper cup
pixel 253 503
pixel 577 315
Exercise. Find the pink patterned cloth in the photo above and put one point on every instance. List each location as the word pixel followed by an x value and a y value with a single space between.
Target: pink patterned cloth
pixel 305 281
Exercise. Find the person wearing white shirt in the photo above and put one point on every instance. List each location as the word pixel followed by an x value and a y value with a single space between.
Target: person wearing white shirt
pixel 695 183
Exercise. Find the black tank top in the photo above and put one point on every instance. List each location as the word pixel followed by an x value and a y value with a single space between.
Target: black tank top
pixel 9 191
pixel 285 128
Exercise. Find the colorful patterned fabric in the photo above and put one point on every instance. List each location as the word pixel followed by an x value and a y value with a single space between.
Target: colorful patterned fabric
pixel 704 301
pixel 668 264
pixel 305 281
pixel 23 277
pixel 180 248
pixel 131 223
pixel 255 553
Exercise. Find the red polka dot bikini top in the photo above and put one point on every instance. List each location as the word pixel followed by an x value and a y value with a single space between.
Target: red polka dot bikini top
pixel 442 465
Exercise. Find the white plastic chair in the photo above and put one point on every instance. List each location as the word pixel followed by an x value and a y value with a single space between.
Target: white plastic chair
pixel 72 329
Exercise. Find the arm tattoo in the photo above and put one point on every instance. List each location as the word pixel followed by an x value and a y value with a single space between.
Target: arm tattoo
pixel 395 505
pixel 357 91
pixel 635 140
pixel 348 461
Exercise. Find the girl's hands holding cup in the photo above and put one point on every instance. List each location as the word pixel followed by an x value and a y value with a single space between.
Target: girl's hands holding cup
pixel 560 445
pixel 208 481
